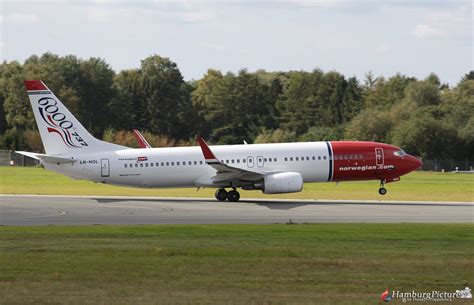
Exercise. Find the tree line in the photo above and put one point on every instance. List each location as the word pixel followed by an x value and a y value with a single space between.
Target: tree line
pixel 424 116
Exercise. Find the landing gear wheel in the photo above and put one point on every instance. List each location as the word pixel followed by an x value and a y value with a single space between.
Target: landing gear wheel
pixel 233 196
pixel 221 194
pixel 382 190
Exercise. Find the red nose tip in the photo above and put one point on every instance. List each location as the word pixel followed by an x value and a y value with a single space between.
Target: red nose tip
pixel 416 163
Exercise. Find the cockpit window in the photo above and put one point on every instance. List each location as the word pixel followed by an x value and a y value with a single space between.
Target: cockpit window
pixel 400 153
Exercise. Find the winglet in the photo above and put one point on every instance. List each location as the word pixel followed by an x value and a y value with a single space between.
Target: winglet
pixel 206 151
pixel 142 142
pixel 33 85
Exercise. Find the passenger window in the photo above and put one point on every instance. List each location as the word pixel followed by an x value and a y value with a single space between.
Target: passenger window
pixel 141 164
pixel 167 164
pixel 200 162
pixel 324 157
pixel 244 160
pixel 265 160
pixel 345 157
pixel 291 158
pixel 157 164
pixel 177 163
pixel 146 164
pixel 319 157
pixel 136 164
pixel 274 159
pixel 238 160
pixel 125 165
pixel 361 156
pixel 151 164
pixel 190 163
pixel 172 163
pixel 131 165
pixel 297 159
pixel 314 158
pixel 286 159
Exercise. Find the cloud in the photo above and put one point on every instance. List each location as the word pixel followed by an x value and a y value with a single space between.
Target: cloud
pixel 444 24
pixel 195 16
pixel 316 3
pixel 223 48
pixel 214 46
pixel 19 19
pixel 107 14
pixel 428 30
pixel 105 11
pixel 383 48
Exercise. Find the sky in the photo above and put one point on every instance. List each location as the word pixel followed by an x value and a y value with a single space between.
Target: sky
pixel 387 37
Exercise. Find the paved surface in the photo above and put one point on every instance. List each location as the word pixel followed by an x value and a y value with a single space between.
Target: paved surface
pixel 82 210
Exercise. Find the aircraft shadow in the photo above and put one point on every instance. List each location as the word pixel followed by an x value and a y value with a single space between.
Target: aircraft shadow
pixel 279 205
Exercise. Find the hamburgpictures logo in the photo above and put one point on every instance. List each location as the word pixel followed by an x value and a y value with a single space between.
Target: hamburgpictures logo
pixel 57 123
pixel 434 296
pixel 386 297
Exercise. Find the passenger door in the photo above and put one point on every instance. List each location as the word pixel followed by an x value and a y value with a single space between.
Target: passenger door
pixel 379 158
pixel 104 167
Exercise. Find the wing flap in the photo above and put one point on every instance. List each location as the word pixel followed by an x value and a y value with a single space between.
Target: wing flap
pixel 46 158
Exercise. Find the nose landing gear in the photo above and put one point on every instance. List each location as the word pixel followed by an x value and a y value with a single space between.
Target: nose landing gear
pixel 232 196
pixel 382 190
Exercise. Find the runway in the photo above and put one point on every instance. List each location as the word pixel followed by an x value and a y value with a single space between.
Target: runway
pixel 89 210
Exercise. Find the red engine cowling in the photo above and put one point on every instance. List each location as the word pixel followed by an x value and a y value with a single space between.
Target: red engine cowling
pixel 288 182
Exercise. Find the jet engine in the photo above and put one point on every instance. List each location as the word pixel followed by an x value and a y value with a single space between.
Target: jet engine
pixel 288 182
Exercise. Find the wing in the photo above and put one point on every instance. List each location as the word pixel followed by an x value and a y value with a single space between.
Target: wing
pixel 226 172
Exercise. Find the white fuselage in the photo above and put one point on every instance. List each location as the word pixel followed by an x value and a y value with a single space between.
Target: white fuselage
pixel 186 167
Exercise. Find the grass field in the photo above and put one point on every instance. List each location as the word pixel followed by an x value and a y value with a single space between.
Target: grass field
pixel 416 186
pixel 232 264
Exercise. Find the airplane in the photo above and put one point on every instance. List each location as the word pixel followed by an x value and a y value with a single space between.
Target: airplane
pixel 271 168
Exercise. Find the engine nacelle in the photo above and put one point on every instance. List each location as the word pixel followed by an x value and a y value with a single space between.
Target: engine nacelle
pixel 288 182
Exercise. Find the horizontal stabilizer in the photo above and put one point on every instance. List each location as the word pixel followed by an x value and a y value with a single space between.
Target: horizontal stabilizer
pixel 46 158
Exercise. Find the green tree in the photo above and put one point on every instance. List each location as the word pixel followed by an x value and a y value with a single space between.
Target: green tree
pixel 95 93
pixel 426 137
pixel 166 96
pixel 236 107
pixel 128 108
pixel 370 125
pixel 423 93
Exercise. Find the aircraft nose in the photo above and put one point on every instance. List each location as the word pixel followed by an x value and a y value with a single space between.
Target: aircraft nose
pixel 415 163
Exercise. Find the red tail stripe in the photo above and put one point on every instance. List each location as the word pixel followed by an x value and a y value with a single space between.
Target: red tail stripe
pixel 34 85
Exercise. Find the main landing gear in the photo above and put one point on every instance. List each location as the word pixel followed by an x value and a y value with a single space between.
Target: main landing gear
pixel 382 190
pixel 222 195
